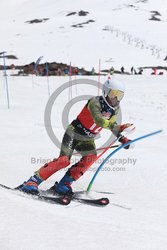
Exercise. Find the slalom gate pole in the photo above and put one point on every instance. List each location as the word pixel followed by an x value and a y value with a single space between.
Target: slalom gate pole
pixel 48 86
pixel 112 153
pixel 6 81
pixel 75 81
pixel 70 84
pixel 99 77
pixel 47 77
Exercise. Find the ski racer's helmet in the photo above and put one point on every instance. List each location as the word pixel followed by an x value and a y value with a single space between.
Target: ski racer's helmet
pixel 113 88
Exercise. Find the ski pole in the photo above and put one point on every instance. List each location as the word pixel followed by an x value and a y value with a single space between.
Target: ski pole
pixel 109 146
pixel 112 153
pixel 114 146
pixel 98 149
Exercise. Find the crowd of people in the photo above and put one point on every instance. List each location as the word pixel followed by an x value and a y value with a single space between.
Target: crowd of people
pixel 53 70
pixel 133 71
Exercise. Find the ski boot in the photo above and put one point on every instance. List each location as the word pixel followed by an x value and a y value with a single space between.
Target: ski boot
pixel 30 186
pixel 64 186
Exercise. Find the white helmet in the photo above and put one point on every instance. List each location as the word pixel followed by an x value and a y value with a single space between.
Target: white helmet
pixel 117 87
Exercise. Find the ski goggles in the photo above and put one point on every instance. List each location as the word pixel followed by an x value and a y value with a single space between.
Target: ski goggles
pixel 116 93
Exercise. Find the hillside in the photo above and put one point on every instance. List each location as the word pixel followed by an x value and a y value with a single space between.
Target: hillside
pixel 120 33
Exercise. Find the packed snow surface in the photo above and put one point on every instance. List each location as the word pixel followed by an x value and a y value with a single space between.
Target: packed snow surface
pixel 133 180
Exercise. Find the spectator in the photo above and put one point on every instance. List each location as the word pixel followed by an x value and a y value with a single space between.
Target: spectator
pixel 93 71
pixel 66 71
pixel 122 70
pixel 140 72
pixel 132 70
pixel 111 71
pixel 75 71
pixel 59 72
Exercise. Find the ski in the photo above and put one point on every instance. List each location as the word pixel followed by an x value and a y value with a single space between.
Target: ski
pixel 62 200
pixel 76 197
pixel 93 202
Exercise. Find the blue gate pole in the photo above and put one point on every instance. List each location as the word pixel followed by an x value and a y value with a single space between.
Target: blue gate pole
pixel 122 146
pixel 6 80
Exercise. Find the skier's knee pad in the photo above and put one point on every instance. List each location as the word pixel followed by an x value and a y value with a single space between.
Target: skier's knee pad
pixel 50 168
pixel 82 166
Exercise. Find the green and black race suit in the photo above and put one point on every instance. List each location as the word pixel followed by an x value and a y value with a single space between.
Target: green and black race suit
pixel 95 116
pixel 80 134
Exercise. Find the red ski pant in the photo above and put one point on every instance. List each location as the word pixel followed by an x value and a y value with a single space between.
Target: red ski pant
pixel 71 140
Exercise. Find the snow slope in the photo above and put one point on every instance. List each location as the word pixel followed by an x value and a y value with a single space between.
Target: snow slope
pixel 135 179
pixel 131 40
pixel 136 217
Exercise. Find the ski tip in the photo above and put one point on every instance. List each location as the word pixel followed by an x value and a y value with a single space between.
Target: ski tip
pixel 104 201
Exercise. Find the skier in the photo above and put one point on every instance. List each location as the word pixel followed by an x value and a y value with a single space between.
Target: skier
pixel 99 112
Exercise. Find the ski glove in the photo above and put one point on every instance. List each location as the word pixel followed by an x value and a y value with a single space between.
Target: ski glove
pixel 124 140
pixel 124 126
